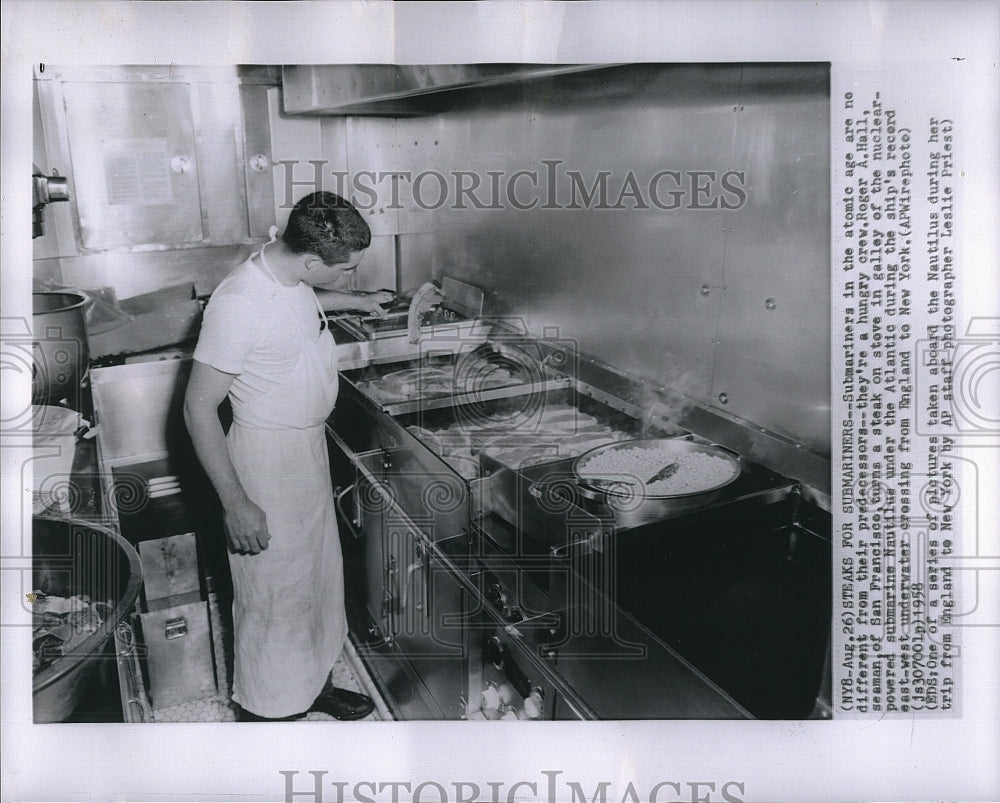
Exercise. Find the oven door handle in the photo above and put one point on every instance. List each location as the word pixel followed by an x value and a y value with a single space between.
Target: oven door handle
pixel 353 523
pixel 592 542
pixel 357 459
pixel 417 565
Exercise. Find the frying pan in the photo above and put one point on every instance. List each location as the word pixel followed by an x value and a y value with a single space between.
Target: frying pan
pixel 626 487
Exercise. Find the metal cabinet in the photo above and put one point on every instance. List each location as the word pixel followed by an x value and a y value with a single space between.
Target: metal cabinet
pixel 134 163
pixel 411 607
pixel 427 621
pixel 158 159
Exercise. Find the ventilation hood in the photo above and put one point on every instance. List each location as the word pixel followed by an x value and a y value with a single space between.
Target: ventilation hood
pixel 391 89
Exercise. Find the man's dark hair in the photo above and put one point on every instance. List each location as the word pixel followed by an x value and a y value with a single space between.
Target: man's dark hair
pixel 325 224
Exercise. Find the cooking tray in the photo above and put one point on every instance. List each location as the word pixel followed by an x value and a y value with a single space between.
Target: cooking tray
pixel 627 488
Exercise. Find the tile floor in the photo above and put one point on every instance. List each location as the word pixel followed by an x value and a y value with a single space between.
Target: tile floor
pixel 348 673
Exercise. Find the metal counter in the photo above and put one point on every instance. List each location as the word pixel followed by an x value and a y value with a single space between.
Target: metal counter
pixel 448 572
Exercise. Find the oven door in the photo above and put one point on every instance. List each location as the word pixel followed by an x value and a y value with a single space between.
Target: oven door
pixel 744 594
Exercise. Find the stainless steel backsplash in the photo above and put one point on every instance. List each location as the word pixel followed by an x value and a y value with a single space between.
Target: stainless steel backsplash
pixel 729 306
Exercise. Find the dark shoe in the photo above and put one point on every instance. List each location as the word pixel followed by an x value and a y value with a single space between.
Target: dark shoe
pixel 343 704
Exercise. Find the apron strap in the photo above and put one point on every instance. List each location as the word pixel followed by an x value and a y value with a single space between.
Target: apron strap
pixel 270 275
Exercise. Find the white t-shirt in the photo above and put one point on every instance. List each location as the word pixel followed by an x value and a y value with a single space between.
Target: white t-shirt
pixel 253 327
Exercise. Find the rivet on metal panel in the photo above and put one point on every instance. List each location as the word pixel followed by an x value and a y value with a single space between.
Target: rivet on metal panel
pixel 705 289
pixel 770 304
pixel 724 398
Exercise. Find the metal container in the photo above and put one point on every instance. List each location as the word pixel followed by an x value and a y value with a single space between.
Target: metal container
pixel 140 409
pixel 179 656
pixel 627 498
pixel 60 346
pixel 75 557
pixel 673 446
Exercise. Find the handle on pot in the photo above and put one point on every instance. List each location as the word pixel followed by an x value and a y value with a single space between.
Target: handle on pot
pixel 736 455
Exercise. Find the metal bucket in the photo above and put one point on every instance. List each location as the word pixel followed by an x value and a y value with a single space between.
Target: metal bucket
pixel 75 557
pixel 61 354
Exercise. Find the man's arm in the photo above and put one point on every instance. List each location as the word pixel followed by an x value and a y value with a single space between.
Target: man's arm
pixel 246 524
pixel 333 300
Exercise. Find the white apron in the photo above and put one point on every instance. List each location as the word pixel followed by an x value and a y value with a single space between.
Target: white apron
pixel 288 609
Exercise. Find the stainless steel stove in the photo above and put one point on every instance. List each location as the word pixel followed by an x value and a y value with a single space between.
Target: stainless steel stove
pixel 714 609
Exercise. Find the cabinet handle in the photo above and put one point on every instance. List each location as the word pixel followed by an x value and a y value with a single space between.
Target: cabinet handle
pixel 353 524
pixel 175 628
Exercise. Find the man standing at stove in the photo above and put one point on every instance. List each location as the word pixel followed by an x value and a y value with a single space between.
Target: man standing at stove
pixel 265 344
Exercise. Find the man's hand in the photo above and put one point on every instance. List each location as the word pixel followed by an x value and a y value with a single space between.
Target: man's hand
pixel 334 301
pixel 246 528
pixel 383 296
pixel 246 524
pixel 372 302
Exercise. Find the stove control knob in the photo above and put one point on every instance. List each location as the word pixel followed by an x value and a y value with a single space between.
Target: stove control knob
pixel 496 596
pixel 506 694
pixel 491 697
pixel 533 704
pixel 494 652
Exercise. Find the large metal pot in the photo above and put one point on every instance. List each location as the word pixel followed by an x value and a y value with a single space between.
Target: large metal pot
pixel 74 557
pixel 631 502
pixel 60 349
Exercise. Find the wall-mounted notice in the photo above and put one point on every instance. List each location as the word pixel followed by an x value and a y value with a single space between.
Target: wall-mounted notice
pixel 138 172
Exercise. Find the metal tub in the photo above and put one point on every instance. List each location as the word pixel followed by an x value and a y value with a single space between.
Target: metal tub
pixel 75 557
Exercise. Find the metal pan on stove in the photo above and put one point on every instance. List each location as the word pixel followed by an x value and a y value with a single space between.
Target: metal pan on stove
pixel 625 485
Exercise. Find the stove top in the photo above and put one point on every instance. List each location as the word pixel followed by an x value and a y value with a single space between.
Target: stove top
pixel 541 499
